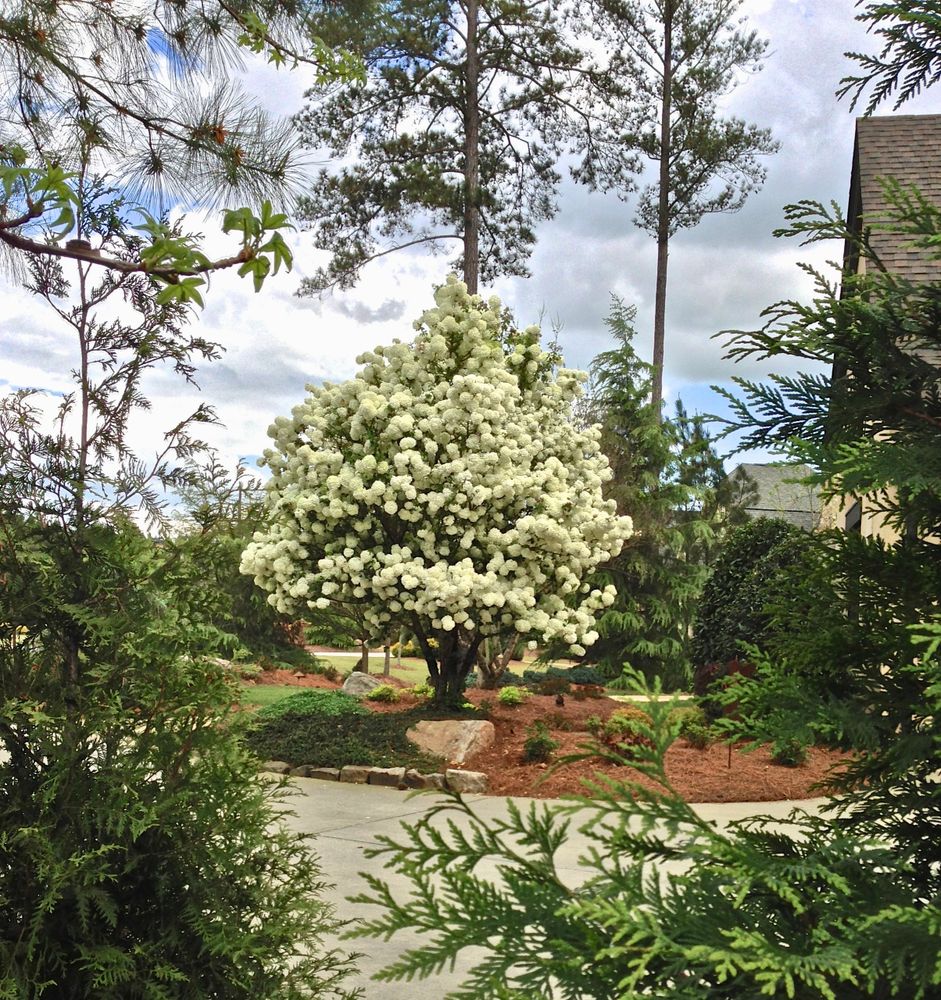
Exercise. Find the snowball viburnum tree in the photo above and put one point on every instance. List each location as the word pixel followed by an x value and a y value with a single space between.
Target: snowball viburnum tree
pixel 444 488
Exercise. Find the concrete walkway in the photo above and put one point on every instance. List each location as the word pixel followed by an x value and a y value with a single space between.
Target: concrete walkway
pixel 344 819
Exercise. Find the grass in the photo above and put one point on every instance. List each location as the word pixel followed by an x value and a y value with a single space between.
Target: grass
pixel 261 695
pixel 412 671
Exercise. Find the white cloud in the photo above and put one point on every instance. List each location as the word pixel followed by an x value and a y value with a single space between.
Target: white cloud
pixel 721 274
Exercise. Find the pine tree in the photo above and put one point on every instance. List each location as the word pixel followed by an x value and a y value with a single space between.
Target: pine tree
pixel 674 60
pixel 143 95
pixel 452 138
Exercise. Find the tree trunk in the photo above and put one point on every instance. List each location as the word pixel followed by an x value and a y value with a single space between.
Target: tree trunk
pixel 454 665
pixel 363 665
pixel 663 212
pixel 472 154
pixel 387 662
pixel 398 655
pixel 492 669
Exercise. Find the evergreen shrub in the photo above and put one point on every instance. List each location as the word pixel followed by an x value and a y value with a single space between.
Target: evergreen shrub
pixel 539 745
pixel 384 693
pixel 747 577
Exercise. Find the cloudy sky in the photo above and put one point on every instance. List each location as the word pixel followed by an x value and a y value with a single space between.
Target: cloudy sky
pixel 722 274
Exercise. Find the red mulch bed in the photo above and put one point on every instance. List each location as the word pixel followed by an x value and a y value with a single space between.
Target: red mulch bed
pixel 698 775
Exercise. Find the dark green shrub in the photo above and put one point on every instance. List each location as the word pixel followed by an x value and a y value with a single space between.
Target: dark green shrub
pixel 573 675
pixel 585 675
pixel 539 744
pixel 747 576
pixel 789 752
pixel 377 740
pixel 692 725
pixel 139 853
pixel 698 735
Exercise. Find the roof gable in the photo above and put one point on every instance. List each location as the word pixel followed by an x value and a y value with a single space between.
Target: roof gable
pixel 908 149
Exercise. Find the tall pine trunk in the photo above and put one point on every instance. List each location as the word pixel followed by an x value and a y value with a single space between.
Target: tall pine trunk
pixel 663 212
pixel 472 155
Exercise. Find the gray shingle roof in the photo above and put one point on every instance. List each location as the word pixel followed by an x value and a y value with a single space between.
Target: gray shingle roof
pixel 908 149
pixel 780 496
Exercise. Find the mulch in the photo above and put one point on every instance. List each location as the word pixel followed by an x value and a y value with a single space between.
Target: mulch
pixel 709 775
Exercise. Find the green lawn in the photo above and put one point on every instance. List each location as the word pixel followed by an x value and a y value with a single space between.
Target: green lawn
pixel 260 695
pixel 412 671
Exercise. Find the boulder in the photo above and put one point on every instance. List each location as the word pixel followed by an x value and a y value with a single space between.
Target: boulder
pixel 453 739
pixel 391 777
pixel 359 684
pixel 301 771
pixel 466 781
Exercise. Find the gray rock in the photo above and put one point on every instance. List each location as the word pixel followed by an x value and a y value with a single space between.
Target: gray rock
pixel 301 771
pixel 359 684
pixel 325 773
pixel 277 766
pixel 465 781
pixel 391 777
pixel 453 740
pixel 355 774
pixel 425 781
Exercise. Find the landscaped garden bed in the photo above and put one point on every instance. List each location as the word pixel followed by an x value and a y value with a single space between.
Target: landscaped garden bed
pixel 374 733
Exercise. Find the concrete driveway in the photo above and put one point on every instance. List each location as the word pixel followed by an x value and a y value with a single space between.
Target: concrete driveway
pixel 343 819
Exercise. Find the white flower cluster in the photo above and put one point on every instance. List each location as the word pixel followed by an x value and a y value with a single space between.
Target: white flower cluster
pixel 446 481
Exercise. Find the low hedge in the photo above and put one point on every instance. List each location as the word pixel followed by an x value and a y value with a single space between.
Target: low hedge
pixel 332 740
pixel 314 702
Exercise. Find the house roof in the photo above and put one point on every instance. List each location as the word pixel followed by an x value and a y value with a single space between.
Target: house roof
pixel 908 149
pixel 779 495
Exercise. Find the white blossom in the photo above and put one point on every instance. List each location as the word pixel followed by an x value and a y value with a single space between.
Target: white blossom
pixel 446 480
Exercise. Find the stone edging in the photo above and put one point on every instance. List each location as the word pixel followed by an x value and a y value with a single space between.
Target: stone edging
pixel 389 777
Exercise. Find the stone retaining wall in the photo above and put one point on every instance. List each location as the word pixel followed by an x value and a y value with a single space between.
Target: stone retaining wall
pixel 390 777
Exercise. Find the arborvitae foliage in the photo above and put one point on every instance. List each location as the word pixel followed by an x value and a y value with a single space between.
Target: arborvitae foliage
pixel 841 906
pixel 668 476
pixel 910 60
pixel 140 856
pixel 452 139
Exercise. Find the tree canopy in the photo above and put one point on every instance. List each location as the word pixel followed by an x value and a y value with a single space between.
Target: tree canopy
pixel 452 138
pixel 444 488
pixel 675 60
